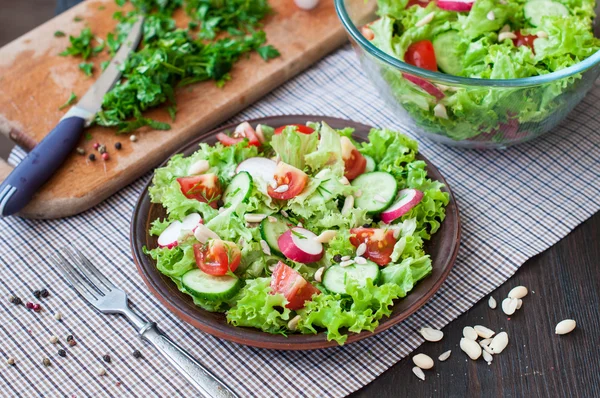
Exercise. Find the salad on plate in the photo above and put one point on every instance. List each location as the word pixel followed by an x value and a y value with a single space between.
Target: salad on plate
pixel 298 228
pixel 484 39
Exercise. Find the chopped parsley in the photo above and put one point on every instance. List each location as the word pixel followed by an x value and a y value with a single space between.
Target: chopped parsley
pixel 70 101
pixel 87 68
pixel 59 33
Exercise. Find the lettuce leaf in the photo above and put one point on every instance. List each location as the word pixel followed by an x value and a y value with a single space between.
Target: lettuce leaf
pixel 292 146
pixel 173 262
pixel 328 155
pixel 256 307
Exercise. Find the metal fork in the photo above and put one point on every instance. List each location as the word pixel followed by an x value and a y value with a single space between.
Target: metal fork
pixel 99 291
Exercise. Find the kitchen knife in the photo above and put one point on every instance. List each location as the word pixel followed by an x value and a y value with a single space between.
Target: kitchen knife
pixel 47 156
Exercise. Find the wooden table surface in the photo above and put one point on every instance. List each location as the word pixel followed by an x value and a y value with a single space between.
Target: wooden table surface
pixel 536 363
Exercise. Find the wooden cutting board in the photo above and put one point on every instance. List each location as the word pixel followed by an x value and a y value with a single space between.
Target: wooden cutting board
pixel 35 81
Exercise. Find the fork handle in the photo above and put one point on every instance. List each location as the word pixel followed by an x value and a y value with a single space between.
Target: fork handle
pixel 195 373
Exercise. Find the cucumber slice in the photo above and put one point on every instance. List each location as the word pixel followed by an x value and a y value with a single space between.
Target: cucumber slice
pixel 370 164
pixel 378 191
pixel 534 10
pixel 448 56
pixel 271 231
pixel 210 287
pixel 335 277
pixel 239 189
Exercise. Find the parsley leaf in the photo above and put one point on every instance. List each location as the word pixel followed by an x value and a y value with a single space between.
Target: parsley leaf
pixel 103 65
pixel 80 45
pixel 59 33
pixel 268 52
pixel 70 101
pixel 87 68
pixel 77 18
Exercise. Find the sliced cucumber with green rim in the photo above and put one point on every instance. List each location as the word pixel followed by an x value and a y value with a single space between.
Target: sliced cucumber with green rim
pixel 370 164
pixel 335 277
pixel 271 231
pixel 210 287
pixel 447 53
pixel 535 10
pixel 377 191
pixel 239 188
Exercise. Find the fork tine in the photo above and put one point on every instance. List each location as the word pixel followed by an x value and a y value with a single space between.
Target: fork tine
pixel 73 277
pixel 91 268
pixel 85 272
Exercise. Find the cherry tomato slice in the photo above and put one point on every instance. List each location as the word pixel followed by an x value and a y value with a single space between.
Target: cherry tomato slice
pixel 524 40
pixel 355 165
pixel 241 132
pixel 204 188
pixel 286 175
pixel 217 257
pixel 292 285
pixel 422 55
pixel 299 127
pixel 420 3
pixel 367 32
pixel 380 243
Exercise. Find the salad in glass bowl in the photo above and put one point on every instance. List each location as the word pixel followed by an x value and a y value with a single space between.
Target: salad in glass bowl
pixel 297 228
pixel 484 73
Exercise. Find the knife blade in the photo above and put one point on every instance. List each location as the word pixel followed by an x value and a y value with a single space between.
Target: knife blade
pixel 47 156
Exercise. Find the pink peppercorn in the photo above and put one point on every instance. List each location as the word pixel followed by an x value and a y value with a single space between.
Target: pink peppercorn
pixel 37 307
pixel 29 305
pixel 105 156
pixel 96 145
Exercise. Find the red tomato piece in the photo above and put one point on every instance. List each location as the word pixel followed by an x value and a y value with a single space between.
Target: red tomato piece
pixel 355 165
pixel 217 257
pixel 420 3
pixel 286 175
pixel 241 132
pixel 292 285
pixel 380 243
pixel 204 188
pixel 299 127
pixel 367 32
pixel 524 40
pixel 422 55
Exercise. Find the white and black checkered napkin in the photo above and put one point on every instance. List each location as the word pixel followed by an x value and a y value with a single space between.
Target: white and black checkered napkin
pixel 514 204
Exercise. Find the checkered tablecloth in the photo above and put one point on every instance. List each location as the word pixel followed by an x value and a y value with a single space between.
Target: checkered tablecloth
pixel 514 204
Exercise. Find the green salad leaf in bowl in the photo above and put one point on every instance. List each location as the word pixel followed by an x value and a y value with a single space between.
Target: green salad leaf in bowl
pixel 297 228
pixel 483 73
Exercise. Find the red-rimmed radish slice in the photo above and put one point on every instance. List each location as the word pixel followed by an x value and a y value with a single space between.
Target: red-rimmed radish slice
pixel 262 168
pixel 429 88
pixel 407 199
pixel 456 5
pixel 191 221
pixel 300 245
pixel 169 237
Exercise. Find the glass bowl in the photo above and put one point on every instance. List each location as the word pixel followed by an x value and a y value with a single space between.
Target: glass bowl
pixel 500 113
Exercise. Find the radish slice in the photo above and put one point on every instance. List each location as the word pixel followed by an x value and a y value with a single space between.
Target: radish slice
pixel 425 85
pixel 168 238
pixel 456 5
pixel 191 221
pixel 301 245
pixel 262 168
pixel 407 199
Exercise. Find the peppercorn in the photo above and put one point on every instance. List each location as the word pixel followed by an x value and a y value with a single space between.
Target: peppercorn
pixel 92 157
pixel 46 362
pixel 62 353
pixel 80 151
pixel 118 146
pixel 106 358
pixel 101 371
pixel 69 338
pixel 37 307
pixel 72 343
pixel 53 339
pixel 220 203
pixel 133 138
pixel 10 361
pixel 36 294
pixel 58 316
pixel 367 225
pixel 44 293
pixel 137 354
pixel 337 258
pixel 29 305
pixel 17 301
pixel 12 299
pixel 105 156
pixel 96 145
pixel 102 149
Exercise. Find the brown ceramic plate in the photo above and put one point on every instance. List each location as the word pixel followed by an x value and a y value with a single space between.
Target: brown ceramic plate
pixel 443 248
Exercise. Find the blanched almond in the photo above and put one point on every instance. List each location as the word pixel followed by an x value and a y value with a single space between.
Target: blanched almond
pixel 518 292
pixel 499 343
pixel 423 361
pixel 444 355
pixel 484 332
pixel 566 326
pixel 471 348
pixel 470 333
pixel 431 334
pixel 418 372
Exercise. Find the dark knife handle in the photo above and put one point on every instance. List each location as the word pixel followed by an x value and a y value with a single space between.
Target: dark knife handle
pixel 39 165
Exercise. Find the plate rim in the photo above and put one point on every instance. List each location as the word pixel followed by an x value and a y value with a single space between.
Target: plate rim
pixel 236 334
